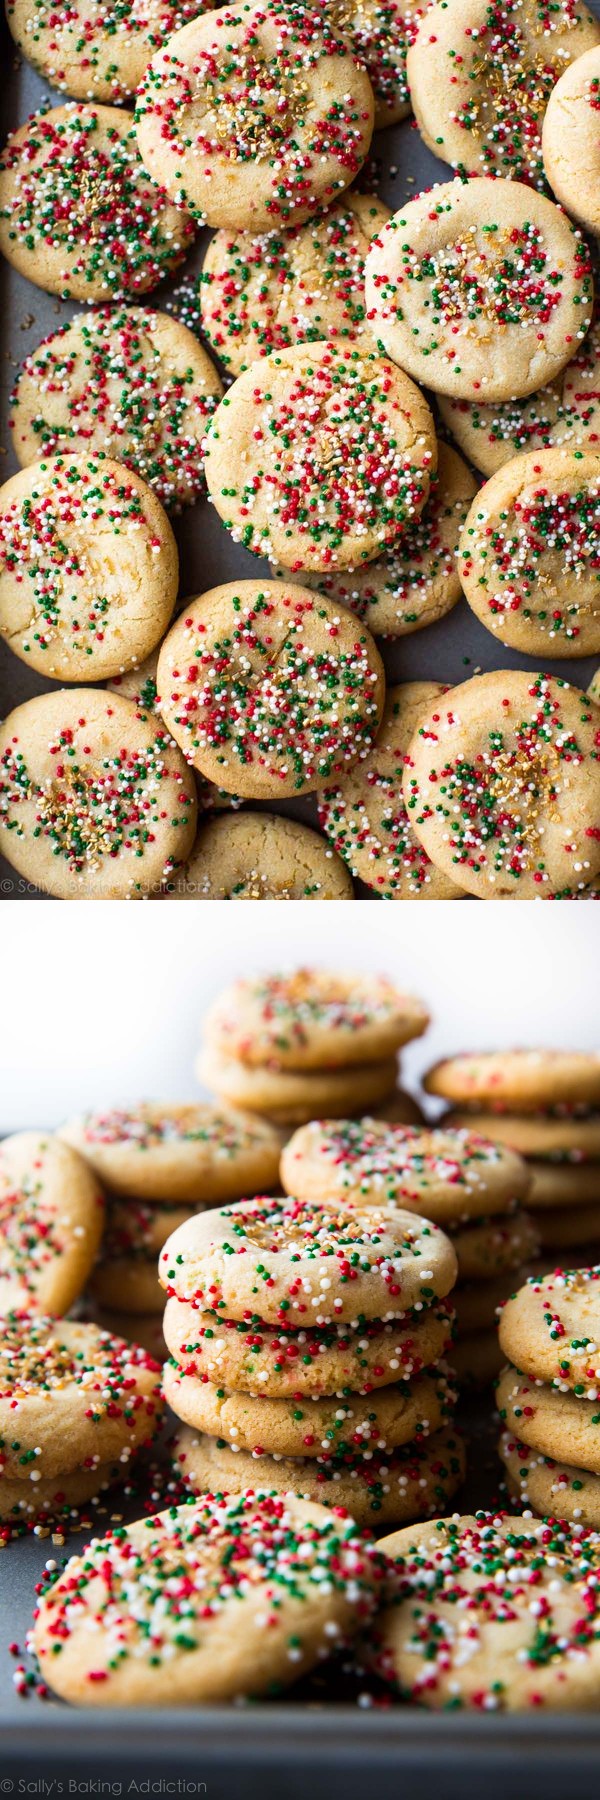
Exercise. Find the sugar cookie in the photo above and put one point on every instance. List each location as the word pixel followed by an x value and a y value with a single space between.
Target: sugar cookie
pixel 448 1176
pixel 292 1097
pixel 550 1488
pixel 567 411
pixel 177 1154
pixel 91 48
pixel 71 1397
pixel 482 289
pixel 502 786
pixel 144 1329
pixel 313 1019
pixel 341 1426
pixel 530 1081
pixel 560 1425
pixel 489 1246
pixel 135 1228
pixel 51 1223
pixel 379 32
pixel 551 1329
pixel 567 1140
pixel 571 141
pixel 528 553
pixel 55 1497
pixel 260 856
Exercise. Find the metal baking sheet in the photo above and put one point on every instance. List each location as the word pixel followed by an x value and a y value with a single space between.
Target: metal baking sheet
pixel 450 651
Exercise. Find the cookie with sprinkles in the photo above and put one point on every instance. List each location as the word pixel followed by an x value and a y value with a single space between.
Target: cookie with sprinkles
pixel 378 1489
pixel 260 856
pixel 365 817
pixel 566 1141
pixel 482 289
pixel 555 1489
pixel 247 1356
pixel 133 384
pixel 491 1613
pixel 320 456
pixel 270 291
pixel 563 1426
pixel 380 32
pixel 448 1176
pixel 334 1427
pixel 268 688
pixel 487 1247
pixel 561 1082
pixel 139 1227
pixel 255 116
pixel 481 75
pixel 88 567
pixel 571 139
pixel 95 49
pixel 54 1498
pixel 550 1330
pixel 293 1096
pixel 565 412
pixel 299 1263
pixel 79 216
pixel 141 685
pixel 193 1154
pixel 529 553
pixel 71 1397
pixel 95 801
pixel 313 1019
pixel 144 1329
pixel 205 1602
pixel 502 786
pixel 51 1223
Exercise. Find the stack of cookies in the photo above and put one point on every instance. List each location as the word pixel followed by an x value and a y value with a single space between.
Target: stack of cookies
pixel 309 1044
pixel 546 1105
pixel 160 1164
pixel 464 1183
pixel 549 1395
pixel 306 1347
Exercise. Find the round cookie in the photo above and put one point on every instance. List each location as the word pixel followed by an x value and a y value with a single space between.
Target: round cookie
pixel 313 1019
pixel 51 1223
pixel 528 553
pixel 95 802
pixel 252 116
pixel 291 1097
pixel 88 567
pixel 566 1140
pixel 481 77
pixel 487 1248
pixel 475 1360
pixel 336 1427
pixel 267 1360
pixel 559 1425
pixel 557 1187
pixel 530 1081
pixel 212 1573
pixel 448 1176
pixel 140 684
pixel 377 1490
pixel 266 292
pixel 71 1397
pixel 567 411
pixel 56 1498
pixel 553 1489
pixel 144 1329
pixel 481 289
pixel 550 1330
pixel 260 856
pixel 365 817
pixel 269 689
pixel 379 32
pixel 124 382
pixel 91 49
pixel 127 1284
pixel 320 456
pixel 190 1154
pixel 299 1264
pixel 502 786
pixel 577 1227
pixel 78 214
pixel 134 1228
pixel 571 140
pixel 452 1635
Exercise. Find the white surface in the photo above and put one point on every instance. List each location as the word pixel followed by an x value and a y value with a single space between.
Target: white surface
pixel 102 1003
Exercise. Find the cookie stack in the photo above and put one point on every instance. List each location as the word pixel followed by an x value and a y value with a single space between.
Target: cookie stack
pixel 309 1044
pixel 305 1355
pixel 549 1395
pixel 464 1183
pixel 546 1105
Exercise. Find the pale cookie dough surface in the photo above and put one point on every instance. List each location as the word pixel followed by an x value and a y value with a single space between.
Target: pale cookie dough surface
pixel 258 1359
pixel 125 382
pixel 319 456
pixel 365 817
pixel 260 856
pixel 480 289
pixel 71 1397
pixel 502 786
pixel 78 213
pixel 481 76
pixel 177 1154
pixel 186 1596
pixel 55 1497
pixel 560 1425
pixel 562 1188
pixel 553 1489
pixel 269 689
pixel 88 567
pixel 447 1176
pixel 378 1490
pixel 336 1427
pixel 292 1097
pixel 514 1641
pixel 476 1359
pixel 127 1284
pixel 566 1141
pixel 566 411
pixel 297 1263
pixel 488 1247
pixel 551 1330
pixel 528 1081
pixel 95 802
pixel 51 1223
pixel 95 49
pixel 313 1019
pixel 268 291
pixel 571 139
pixel 528 553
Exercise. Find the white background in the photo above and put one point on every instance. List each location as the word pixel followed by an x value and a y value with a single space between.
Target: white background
pixel 102 1003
